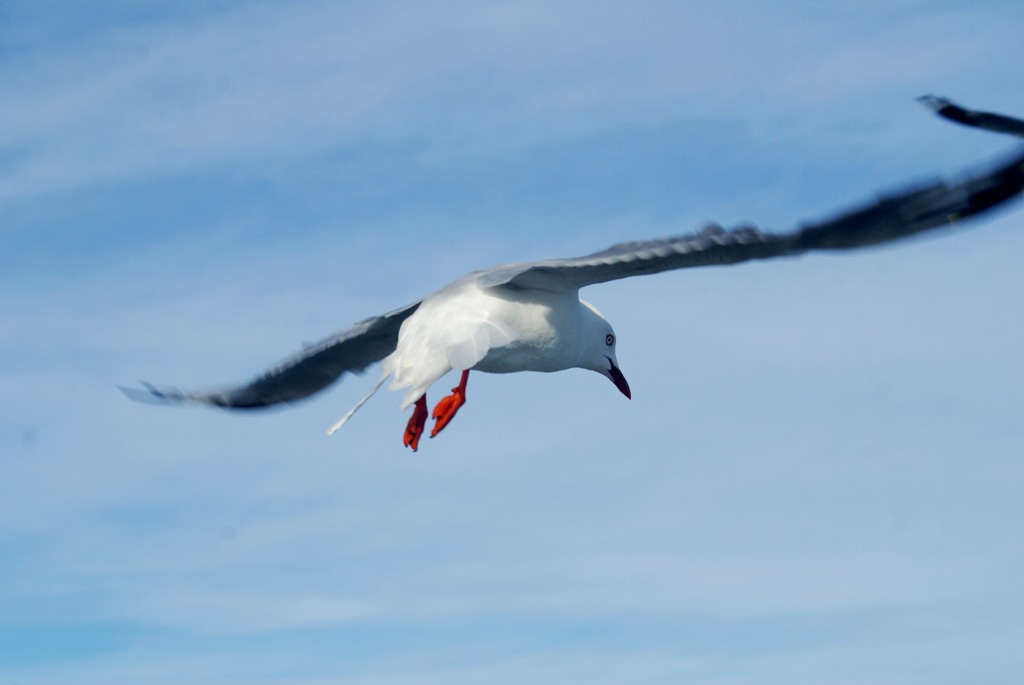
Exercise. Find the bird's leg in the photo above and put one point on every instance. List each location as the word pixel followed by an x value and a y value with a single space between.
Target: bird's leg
pixel 414 429
pixel 446 408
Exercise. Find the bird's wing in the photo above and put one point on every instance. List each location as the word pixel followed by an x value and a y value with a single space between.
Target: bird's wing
pixel 988 121
pixel 889 217
pixel 311 370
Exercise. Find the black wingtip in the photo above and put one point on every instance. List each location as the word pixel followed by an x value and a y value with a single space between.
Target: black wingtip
pixel 150 394
pixel 987 121
pixel 934 102
pixel 948 109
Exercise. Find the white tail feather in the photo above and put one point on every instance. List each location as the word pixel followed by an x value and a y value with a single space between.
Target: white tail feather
pixel 344 419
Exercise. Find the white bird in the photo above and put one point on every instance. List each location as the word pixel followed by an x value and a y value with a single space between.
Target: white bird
pixel 529 317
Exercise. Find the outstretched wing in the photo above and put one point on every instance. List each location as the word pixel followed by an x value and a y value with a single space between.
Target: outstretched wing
pixel 890 217
pixel 309 371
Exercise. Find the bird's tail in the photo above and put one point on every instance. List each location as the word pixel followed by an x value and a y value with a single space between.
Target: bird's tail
pixel 348 415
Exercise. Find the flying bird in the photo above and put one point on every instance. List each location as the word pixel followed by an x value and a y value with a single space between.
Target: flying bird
pixel 528 316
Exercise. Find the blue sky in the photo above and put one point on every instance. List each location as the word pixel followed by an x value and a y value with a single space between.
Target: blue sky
pixel 817 479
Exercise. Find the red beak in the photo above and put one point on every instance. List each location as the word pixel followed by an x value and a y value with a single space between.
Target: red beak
pixel 619 380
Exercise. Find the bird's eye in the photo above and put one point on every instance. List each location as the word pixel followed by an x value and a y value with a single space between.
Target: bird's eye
pixel 609 340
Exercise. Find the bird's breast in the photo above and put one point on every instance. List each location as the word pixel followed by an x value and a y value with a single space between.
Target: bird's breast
pixel 544 326
pixel 520 356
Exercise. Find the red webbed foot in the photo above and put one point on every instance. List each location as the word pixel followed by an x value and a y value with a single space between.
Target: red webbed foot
pixel 446 409
pixel 414 429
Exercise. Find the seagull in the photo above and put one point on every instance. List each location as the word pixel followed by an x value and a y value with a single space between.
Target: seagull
pixel 528 316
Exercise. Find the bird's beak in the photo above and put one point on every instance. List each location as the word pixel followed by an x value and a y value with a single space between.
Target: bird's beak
pixel 619 380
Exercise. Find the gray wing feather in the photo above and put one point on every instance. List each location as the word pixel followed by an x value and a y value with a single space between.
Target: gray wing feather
pixel 887 218
pixel 309 371
pixel 890 217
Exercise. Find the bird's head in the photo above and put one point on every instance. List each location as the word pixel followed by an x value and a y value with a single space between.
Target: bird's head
pixel 599 348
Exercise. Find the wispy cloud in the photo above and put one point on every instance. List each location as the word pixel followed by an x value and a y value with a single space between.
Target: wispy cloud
pixel 276 84
pixel 819 470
